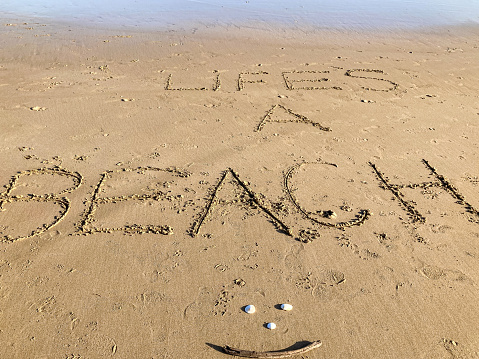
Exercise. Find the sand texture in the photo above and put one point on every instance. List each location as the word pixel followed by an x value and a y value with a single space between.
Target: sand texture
pixel 154 184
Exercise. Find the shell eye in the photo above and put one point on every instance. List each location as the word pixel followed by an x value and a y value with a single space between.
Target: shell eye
pixel 250 309
pixel 286 307
pixel 271 326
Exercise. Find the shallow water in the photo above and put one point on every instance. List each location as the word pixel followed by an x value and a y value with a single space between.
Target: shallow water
pixel 342 14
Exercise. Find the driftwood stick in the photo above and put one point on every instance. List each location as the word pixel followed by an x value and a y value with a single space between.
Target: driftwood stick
pixel 272 354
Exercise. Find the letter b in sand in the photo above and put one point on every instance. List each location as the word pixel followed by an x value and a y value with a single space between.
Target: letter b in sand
pixel 23 214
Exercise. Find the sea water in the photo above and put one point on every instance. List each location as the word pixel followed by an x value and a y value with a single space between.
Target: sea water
pixel 345 14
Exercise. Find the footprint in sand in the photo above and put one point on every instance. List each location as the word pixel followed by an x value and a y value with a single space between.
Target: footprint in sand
pixel 434 273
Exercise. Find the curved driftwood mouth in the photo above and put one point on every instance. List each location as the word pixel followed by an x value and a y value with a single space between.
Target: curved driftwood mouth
pixel 284 353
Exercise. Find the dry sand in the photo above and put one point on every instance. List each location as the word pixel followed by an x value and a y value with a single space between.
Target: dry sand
pixel 156 183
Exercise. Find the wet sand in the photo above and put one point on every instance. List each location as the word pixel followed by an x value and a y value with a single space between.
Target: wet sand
pixel 155 183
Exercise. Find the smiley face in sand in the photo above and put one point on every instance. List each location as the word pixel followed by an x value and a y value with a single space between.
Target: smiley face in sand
pixel 283 353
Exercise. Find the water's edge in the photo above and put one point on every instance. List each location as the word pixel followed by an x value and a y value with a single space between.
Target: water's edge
pixel 307 15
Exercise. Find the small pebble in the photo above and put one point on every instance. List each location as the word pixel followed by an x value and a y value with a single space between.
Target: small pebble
pixel 286 307
pixel 250 309
pixel 239 282
pixel 38 108
pixel 331 215
pixel 271 326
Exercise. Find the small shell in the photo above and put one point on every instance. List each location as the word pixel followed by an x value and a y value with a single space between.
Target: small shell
pixel 271 326
pixel 286 307
pixel 250 309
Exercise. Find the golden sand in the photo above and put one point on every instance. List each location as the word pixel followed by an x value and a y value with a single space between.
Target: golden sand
pixel 157 183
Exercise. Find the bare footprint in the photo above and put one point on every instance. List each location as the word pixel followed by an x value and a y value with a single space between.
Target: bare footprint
pixel 434 273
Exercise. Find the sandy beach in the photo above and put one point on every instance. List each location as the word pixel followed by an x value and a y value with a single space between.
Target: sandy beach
pixel 155 183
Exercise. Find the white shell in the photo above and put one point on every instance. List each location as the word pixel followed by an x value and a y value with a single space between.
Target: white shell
pixel 271 326
pixel 287 307
pixel 250 309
